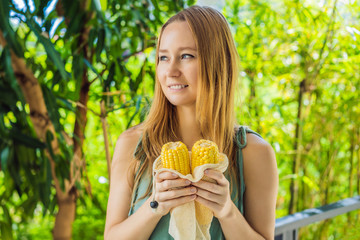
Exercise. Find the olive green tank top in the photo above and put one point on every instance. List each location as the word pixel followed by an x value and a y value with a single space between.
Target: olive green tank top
pixel 237 193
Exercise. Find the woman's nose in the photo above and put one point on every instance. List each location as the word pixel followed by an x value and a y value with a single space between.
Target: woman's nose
pixel 173 69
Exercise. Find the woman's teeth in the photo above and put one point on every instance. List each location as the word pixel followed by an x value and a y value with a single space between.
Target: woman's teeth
pixel 178 86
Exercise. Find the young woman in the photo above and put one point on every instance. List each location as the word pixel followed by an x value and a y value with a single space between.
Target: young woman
pixel 197 71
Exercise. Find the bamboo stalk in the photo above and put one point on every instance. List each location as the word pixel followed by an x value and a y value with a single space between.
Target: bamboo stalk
pixel 351 160
pixel 297 157
pixel 106 138
pixel 358 168
pixel 305 86
pixel 252 98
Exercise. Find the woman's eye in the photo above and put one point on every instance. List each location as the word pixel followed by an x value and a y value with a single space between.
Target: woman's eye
pixel 185 56
pixel 162 58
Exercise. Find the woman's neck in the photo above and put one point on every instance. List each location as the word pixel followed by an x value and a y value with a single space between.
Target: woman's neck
pixel 188 127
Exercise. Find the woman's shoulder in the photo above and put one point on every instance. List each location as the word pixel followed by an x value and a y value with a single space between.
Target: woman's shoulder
pixel 131 135
pixel 259 155
pixel 127 142
pixel 257 146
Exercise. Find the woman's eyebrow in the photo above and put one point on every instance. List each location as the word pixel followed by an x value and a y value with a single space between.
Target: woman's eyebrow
pixel 180 49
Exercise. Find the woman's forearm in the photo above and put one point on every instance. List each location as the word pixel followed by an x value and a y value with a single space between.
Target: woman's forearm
pixel 235 226
pixel 139 225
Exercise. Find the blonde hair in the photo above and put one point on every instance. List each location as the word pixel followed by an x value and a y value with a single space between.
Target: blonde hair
pixel 218 74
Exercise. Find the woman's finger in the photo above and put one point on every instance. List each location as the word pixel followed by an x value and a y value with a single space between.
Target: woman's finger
pixel 217 176
pixel 209 186
pixel 207 203
pixel 176 193
pixel 172 203
pixel 216 198
pixel 170 184
pixel 165 176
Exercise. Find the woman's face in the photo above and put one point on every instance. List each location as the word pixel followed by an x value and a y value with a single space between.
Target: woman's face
pixel 177 70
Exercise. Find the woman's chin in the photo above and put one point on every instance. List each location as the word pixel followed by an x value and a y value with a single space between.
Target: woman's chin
pixel 181 103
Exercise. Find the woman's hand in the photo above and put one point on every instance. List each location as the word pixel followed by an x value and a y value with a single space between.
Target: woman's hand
pixel 172 191
pixel 215 196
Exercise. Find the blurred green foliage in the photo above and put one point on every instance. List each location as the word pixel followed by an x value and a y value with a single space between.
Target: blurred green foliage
pixel 287 49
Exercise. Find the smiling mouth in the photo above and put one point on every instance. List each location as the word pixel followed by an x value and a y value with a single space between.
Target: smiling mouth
pixel 178 86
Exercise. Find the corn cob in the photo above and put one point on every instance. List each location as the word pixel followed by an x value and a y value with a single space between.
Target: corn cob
pixel 175 155
pixel 204 151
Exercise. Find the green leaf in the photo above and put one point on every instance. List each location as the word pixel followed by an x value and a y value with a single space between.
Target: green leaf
pixel 52 205
pixel 76 15
pixel 10 36
pixel 45 186
pixel 42 5
pixel 6 215
pixel 3 129
pixel 14 172
pixel 92 69
pixel 100 43
pixel 56 79
pixel 103 4
pixel 137 109
pixel 50 19
pixel 5 228
pixel 62 174
pixel 78 65
pixel 7 97
pixel 49 139
pixel 157 11
pixel 107 85
pixel 29 206
pixel 310 183
pixel 76 23
pixel 4 11
pixel 92 37
pixel 53 110
pixel 4 157
pixel 97 5
pixel 9 73
pixel 49 47
pixel 36 8
pixel 134 85
pixel 24 139
pixel 64 103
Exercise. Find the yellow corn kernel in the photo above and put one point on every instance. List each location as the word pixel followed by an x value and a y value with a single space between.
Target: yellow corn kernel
pixel 175 156
pixel 204 151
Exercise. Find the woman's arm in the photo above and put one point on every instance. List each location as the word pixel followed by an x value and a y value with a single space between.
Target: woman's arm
pixel 142 223
pixel 118 224
pixel 261 179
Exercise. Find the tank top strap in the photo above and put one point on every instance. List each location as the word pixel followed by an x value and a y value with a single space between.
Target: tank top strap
pixel 139 148
pixel 136 190
pixel 248 130
pixel 241 141
pixel 240 136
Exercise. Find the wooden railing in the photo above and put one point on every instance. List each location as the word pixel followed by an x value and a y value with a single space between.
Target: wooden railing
pixel 286 228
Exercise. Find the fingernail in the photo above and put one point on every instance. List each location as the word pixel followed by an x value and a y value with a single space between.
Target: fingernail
pixel 174 175
pixel 193 190
pixel 206 171
pixel 187 182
